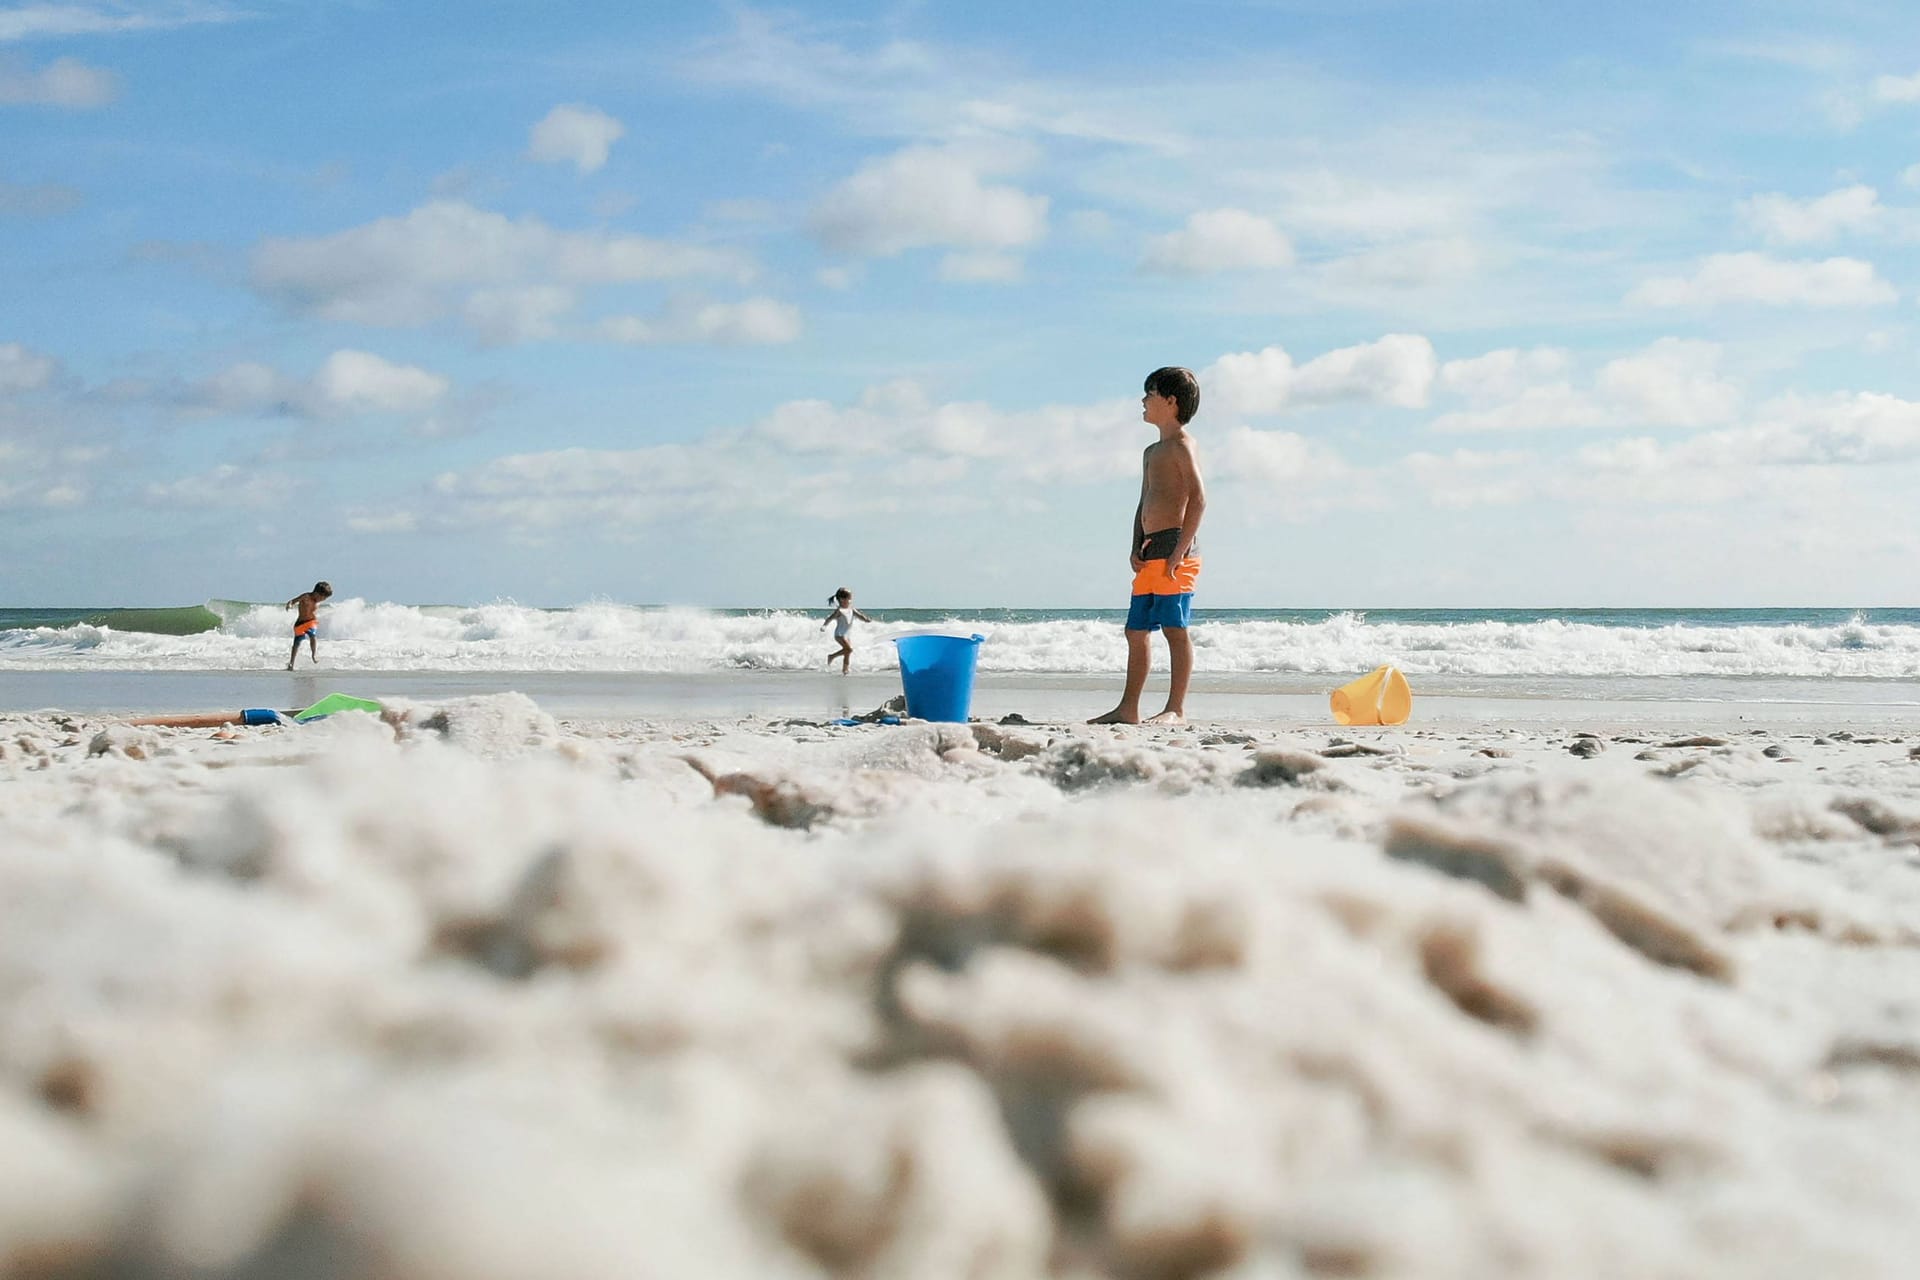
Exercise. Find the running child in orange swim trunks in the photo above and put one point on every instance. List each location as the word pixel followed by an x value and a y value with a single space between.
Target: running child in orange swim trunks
pixel 306 623
pixel 1164 559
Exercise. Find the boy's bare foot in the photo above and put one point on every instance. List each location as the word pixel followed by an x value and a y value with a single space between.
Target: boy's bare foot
pixel 289 666
pixel 1116 716
pixel 1167 717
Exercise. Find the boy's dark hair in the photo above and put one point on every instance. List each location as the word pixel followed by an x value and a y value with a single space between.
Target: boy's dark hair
pixel 1181 385
pixel 323 588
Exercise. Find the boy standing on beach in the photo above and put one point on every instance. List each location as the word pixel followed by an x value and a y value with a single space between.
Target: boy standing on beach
pixel 1165 566
pixel 306 623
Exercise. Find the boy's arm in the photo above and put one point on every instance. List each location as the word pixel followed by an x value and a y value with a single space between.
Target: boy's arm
pixel 1140 534
pixel 863 617
pixel 1189 466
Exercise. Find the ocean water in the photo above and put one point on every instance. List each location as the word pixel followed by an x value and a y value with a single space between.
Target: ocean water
pixel 748 658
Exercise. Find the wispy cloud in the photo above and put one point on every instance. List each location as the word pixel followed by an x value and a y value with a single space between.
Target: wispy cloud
pixel 1897 88
pixel 49 21
pixel 1216 240
pixel 1759 278
pixel 64 82
pixel 36 200
pixel 1672 382
pixel 1398 369
pixel 348 383
pixel 928 196
pixel 508 276
pixel 750 322
pixel 1782 219
pixel 577 135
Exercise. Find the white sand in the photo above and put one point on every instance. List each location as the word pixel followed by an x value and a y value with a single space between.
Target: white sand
pixel 498 997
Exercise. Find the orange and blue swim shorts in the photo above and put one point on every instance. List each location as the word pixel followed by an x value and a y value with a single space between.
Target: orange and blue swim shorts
pixel 1162 592
pixel 305 628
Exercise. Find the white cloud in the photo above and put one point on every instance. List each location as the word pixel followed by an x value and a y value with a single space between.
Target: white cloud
pixel 22 369
pixel 616 488
pixel 836 278
pixel 63 83
pixel 383 522
pixel 223 486
pixel 1217 240
pixel 48 20
pixel 247 388
pixel 576 135
pixel 1760 279
pixel 347 383
pixel 1897 88
pixel 27 481
pixel 1052 443
pixel 765 52
pixel 982 268
pixel 361 382
pixel 1548 406
pixel 752 322
pixel 1420 264
pixel 926 196
pixel 1398 369
pixel 1783 220
pixel 1249 381
pixel 501 317
pixel 1348 205
pixel 1467 478
pixel 1863 428
pixel 1276 459
pixel 414 269
pixel 1502 374
pixel 1672 382
pixel 1910 176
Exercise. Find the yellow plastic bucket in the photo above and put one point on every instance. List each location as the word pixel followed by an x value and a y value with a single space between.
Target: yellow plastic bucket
pixel 1379 697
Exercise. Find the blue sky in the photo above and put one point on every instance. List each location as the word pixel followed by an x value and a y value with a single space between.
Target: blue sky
pixel 1492 303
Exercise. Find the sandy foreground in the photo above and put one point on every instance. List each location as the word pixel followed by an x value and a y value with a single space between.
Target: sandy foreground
pixel 487 995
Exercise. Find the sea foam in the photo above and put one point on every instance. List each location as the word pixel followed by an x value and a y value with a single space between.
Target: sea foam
pixel 381 636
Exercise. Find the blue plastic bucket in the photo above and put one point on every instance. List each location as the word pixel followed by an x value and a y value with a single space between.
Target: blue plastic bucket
pixel 937 673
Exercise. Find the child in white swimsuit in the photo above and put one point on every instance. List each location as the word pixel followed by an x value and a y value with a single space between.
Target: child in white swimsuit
pixel 841 620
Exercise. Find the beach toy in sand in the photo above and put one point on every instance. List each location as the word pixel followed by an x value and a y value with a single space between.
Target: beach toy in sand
pixel 1379 697
pixel 936 670
pixel 212 719
pixel 334 703
pixel 329 705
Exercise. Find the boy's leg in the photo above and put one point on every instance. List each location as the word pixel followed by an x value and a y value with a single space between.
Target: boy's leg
pixel 1139 657
pixel 1180 653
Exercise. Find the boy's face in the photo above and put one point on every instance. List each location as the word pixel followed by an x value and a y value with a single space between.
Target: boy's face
pixel 1161 411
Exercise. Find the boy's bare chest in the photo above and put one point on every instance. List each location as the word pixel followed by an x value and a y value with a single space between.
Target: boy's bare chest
pixel 1162 469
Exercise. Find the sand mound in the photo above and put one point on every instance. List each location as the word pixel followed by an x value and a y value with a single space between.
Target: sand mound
pixel 483 998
